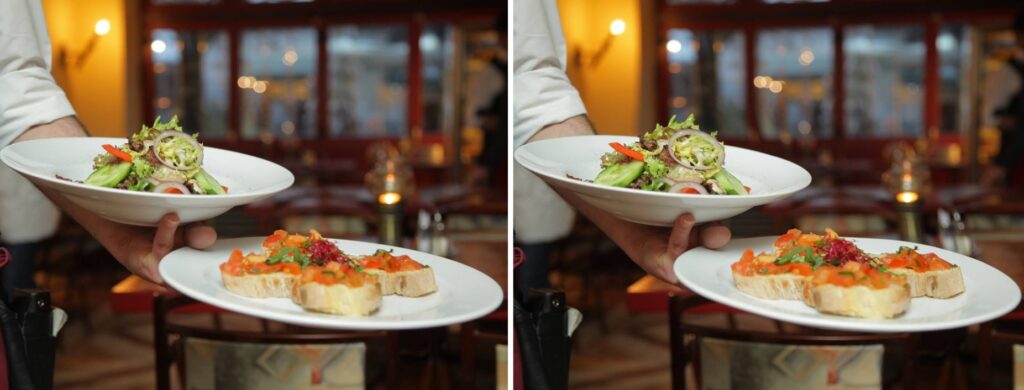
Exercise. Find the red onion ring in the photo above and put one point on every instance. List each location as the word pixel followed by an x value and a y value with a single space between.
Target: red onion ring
pixel 697 133
pixel 679 187
pixel 189 139
pixel 163 187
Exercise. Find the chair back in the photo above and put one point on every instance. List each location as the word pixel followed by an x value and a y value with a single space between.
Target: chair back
pixel 852 211
pixel 727 357
pixel 296 357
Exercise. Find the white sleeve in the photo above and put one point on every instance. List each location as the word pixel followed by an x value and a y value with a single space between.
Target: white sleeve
pixel 28 94
pixel 543 94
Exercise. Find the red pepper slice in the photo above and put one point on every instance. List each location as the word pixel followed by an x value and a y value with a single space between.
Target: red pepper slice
pixel 226 188
pixel 689 190
pixel 173 191
pixel 627 151
pixel 117 153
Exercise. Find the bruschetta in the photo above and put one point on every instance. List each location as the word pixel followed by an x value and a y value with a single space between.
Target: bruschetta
pixel 857 290
pixel 252 276
pixel 337 288
pixel 761 277
pixel 399 275
pixel 927 274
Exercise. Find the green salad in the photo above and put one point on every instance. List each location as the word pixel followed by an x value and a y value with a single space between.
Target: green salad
pixel 678 158
pixel 160 158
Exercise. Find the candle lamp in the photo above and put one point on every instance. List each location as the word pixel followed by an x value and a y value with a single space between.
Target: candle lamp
pixel 390 181
pixel 390 208
pixel 907 180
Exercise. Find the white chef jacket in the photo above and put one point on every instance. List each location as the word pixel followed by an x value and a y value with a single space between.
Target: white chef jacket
pixel 28 97
pixel 542 95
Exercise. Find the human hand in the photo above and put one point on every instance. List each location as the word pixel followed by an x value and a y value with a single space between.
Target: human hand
pixel 659 251
pixel 140 249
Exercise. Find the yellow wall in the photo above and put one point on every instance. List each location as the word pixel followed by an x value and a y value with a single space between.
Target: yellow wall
pixel 611 88
pixel 97 88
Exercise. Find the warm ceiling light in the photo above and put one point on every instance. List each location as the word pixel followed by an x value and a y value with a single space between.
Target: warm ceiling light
pixel 762 81
pixel 290 57
pixel 674 46
pixel 245 82
pixel 158 46
pixel 806 57
pixel 775 86
pixel 102 27
pixel 259 86
pixel 618 27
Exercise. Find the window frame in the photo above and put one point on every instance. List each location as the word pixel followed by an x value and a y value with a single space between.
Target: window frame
pixel 752 16
pixel 234 16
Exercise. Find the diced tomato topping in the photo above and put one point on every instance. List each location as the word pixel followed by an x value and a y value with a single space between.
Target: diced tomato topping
pixel 788 239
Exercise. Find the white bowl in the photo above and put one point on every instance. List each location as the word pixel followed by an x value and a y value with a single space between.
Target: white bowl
pixel 248 179
pixel 770 178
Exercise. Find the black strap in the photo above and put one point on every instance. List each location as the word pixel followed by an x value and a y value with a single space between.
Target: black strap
pixel 18 374
pixel 534 377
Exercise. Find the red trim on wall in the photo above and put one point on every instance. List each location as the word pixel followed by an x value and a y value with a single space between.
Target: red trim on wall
pixel 838 83
pixel 750 70
pixel 414 83
pixel 931 76
pixel 322 87
pixel 234 93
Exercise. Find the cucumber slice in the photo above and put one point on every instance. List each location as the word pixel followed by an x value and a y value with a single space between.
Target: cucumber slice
pixel 729 183
pixel 620 175
pixel 208 184
pixel 109 175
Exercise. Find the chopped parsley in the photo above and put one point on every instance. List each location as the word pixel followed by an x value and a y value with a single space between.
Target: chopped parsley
pixel 290 255
pixel 329 273
pixel 254 270
pixel 846 273
pixel 802 254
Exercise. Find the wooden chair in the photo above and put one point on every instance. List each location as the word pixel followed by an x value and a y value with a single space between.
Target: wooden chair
pixel 998 330
pixel 684 352
pixel 473 335
pixel 167 352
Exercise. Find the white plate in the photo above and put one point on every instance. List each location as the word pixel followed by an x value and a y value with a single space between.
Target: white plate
pixel 248 179
pixel 770 178
pixel 463 293
pixel 989 293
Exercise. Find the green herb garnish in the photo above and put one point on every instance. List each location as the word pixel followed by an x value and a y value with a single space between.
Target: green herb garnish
pixel 847 273
pixel 290 255
pixel 802 254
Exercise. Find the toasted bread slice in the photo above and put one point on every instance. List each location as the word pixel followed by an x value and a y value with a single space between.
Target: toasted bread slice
pixel 415 283
pixel 272 285
pixel 779 286
pixel 945 283
pixel 338 298
pixel 859 300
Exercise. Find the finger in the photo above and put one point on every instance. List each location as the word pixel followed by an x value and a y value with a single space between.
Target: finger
pixel 163 240
pixel 147 268
pixel 200 236
pixel 679 239
pixel 715 236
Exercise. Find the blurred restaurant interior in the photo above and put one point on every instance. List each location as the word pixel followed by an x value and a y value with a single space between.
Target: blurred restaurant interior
pixel 894 107
pixel 391 115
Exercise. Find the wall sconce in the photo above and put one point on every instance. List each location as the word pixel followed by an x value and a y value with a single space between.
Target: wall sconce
pixel 616 28
pixel 101 28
